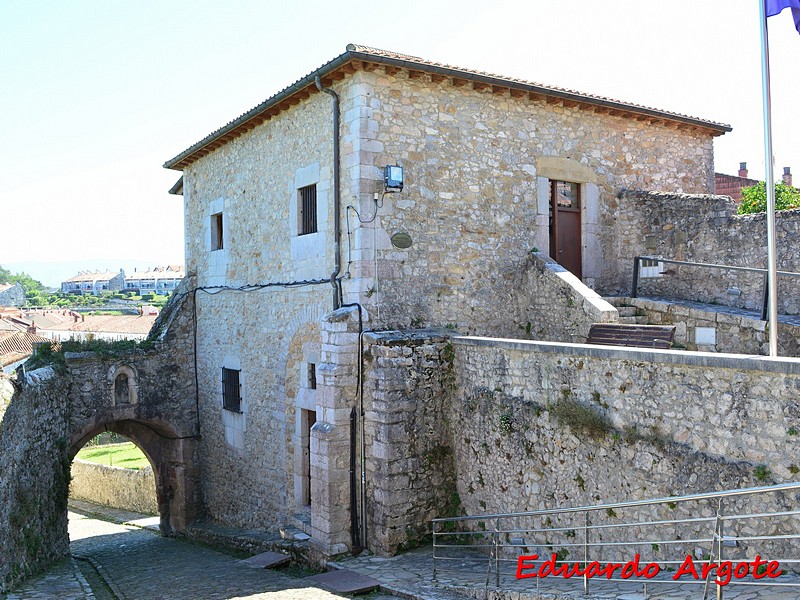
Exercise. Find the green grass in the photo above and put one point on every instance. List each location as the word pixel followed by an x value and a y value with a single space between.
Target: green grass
pixel 125 455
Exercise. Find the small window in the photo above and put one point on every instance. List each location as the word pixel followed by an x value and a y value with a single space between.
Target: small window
pixel 231 390
pixel 312 376
pixel 307 198
pixel 216 232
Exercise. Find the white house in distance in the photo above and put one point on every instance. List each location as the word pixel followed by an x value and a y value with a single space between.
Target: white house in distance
pixel 159 280
pixel 88 282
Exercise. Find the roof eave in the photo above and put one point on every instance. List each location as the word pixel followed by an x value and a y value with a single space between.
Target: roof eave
pixel 183 159
pixel 284 94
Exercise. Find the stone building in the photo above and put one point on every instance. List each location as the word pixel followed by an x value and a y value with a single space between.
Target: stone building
pixel 296 209
pixel 12 294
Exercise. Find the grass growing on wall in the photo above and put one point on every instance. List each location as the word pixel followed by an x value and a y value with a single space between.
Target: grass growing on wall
pixel 125 455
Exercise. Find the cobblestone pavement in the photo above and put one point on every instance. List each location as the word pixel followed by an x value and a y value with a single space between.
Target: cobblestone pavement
pixel 139 564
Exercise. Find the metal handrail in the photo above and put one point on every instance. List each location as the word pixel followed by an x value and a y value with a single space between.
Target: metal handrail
pixel 495 544
pixel 765 295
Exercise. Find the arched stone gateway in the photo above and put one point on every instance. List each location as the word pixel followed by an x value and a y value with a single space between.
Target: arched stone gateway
pixel 174 466
pixel 147 394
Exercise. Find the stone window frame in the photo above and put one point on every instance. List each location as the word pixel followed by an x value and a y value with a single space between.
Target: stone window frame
pixel 231 390
pixel 308 249
pixel 307 209
pixel 234 423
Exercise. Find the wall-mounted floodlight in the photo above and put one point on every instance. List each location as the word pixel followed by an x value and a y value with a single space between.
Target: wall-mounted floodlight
pixel 393 178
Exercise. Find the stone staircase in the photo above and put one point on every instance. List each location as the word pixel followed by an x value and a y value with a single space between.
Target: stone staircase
pixel 628 314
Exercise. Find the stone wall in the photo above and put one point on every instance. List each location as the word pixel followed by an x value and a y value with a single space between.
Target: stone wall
pixel 34 435
pixel 409 461
pixel 527 425
pixel 128 489
pixel 557 305
pixel 719 406
pixel 476 197
pixel 732 333
pixel 705 229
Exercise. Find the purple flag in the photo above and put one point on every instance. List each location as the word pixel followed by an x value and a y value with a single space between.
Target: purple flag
pixel 776 6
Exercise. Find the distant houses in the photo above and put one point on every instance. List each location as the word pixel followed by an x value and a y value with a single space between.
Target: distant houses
pixel 158 280
pixel 87 282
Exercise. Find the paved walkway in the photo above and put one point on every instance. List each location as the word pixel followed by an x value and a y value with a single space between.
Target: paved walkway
pixel 411 574
pixel 138 564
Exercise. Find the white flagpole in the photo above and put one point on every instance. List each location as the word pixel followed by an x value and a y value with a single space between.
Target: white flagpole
pixel 772 276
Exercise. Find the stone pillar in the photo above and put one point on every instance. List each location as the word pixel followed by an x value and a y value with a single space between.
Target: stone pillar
pixel 337 377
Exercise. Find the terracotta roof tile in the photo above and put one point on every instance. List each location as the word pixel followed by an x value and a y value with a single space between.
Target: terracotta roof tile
pixel 370 54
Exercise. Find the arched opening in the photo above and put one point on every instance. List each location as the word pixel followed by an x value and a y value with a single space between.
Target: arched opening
pixel 112 471
pixel 171 458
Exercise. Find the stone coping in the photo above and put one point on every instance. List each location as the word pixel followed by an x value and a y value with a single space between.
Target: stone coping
pixel 711 360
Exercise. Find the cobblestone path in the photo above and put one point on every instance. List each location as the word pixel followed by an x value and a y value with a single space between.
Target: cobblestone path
pixel 141 565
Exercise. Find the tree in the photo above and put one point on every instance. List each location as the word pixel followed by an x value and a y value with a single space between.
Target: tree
pixel 754 198
pixel 28 283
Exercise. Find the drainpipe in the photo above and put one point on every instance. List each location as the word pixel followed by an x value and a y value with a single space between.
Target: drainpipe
pixel 337 233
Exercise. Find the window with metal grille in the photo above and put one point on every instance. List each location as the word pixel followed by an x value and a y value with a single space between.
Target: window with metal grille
pixel 231 390
pixel 308 209
pixel 312 376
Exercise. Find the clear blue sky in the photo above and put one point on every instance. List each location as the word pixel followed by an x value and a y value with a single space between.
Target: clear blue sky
pixel 96 95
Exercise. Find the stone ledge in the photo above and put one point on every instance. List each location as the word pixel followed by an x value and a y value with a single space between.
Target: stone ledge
pixel 742 362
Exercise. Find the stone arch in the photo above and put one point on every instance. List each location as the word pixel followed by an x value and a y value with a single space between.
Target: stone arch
pixel 174 466
pixel 124 381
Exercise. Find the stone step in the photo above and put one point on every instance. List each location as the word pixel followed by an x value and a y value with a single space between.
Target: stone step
pixel 626 311
pixel 633 320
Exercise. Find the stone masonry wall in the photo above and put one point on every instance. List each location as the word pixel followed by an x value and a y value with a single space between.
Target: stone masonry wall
pixel 538 425
pixel 705 229
pixel 721 406
pixel 35 471
pixel 409 463
pixel 733 333
pixel 475 200
pixel 128 489
pixel 557 306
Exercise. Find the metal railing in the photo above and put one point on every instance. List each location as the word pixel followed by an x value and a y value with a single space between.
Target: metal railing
pixel 672 533
pixel 637 262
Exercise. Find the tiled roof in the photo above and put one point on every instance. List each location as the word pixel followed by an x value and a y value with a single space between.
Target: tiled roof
pixel 91 276
pixel 17 345
pixel 6 286
pixel 168 272
pixel 106 324
pixel 305 86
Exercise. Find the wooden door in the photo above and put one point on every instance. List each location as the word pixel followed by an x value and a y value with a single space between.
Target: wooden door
pixel 565 226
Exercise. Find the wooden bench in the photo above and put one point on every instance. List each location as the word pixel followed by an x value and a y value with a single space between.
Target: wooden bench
pixel 641 336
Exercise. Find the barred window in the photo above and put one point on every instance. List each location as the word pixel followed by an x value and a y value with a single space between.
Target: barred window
pixel 231 390
pixel 307 198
